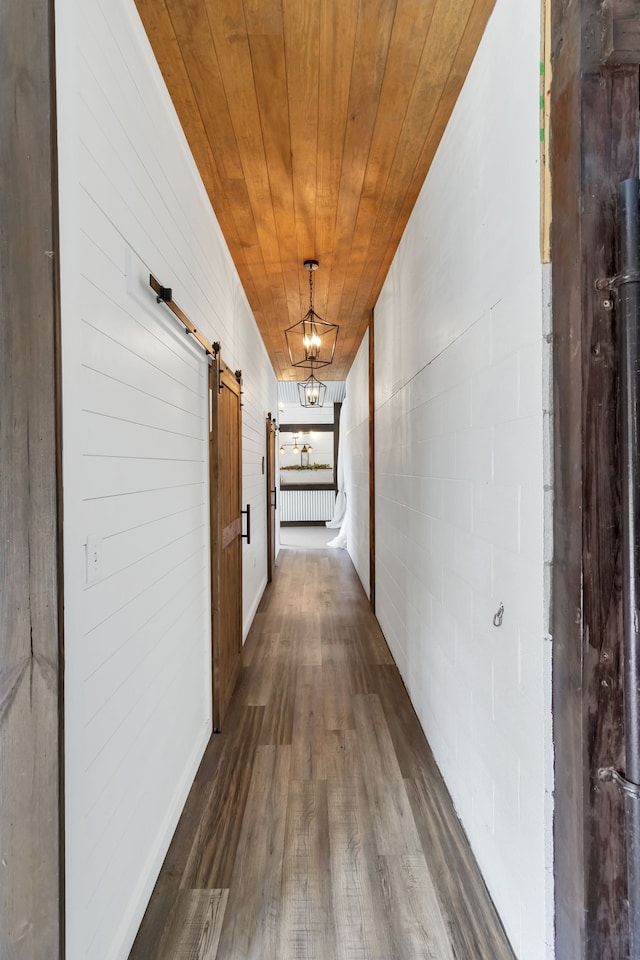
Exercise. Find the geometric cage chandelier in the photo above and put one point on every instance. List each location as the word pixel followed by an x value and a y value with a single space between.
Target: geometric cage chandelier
pixel 311 392
pixel 311 341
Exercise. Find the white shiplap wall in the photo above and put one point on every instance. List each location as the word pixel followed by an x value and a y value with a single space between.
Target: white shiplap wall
pixel 354 434
pixel 460 404
pixel 294 413
pixel 137 635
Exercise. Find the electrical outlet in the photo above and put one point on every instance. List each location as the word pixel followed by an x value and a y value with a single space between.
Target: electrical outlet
pixel 94 558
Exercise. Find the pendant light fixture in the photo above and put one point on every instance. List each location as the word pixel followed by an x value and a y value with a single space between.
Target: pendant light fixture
pixel 312 392
pixel 311 341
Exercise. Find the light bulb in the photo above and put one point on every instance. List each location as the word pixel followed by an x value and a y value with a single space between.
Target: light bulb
pixel 311 343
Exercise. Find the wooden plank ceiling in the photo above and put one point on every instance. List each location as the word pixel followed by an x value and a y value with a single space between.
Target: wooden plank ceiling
pixel 313 124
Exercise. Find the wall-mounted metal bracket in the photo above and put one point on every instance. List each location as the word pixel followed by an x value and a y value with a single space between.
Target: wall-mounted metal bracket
pixel 612 283
pixel 629 789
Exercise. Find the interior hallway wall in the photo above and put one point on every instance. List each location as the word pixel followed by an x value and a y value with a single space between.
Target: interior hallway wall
pixel 354 434
pixel 460 406
pixel 259 397
pixel 135 433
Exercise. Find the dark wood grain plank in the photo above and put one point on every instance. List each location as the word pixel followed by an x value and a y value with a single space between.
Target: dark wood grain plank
pixel 213 850
pixel 256 682
pixel 361 658
pixel 358 904
pixel 602 654
pixel 594 136
pixel 277 727
pixel 336 688
pixel 306 928
pixel 31 804
pixel 410 745
pixel 299 641
pixel 375 741
pixel 307 753
pixel 416 923
pixel 621 32
pixel 251 925
pixel 392 817
pixel 194 931
pixel 341 754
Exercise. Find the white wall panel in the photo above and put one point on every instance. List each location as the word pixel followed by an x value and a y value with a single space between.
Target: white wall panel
pixel 135 431
pixel 460 469
pixel 354 435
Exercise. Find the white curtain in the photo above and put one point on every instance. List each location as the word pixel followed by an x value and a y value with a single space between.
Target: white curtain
pixel 339 519
pixel 341 539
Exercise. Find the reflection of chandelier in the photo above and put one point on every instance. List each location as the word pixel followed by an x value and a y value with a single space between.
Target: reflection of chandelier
pixel 312 391
pixel 311 341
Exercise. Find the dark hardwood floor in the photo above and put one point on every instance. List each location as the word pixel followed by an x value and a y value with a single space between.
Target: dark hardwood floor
pixel 318 826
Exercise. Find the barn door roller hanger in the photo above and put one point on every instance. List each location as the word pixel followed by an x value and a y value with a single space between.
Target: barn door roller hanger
pixel 165 295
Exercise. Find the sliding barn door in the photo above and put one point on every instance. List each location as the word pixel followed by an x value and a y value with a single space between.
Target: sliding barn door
pixel 271 497
pixel 226 534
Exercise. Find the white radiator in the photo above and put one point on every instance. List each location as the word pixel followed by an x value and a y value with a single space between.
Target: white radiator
pixel 301 505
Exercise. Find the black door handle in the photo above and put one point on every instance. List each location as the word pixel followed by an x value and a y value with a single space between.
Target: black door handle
pixel 247 513
pixel 275 498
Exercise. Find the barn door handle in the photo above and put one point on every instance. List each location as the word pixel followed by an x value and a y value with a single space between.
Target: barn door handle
pixel 247 514
pixel 275 498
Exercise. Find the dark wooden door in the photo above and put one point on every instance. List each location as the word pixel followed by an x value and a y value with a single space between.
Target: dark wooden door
pixel 594 136
pixel 225 465
pixel 271 497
